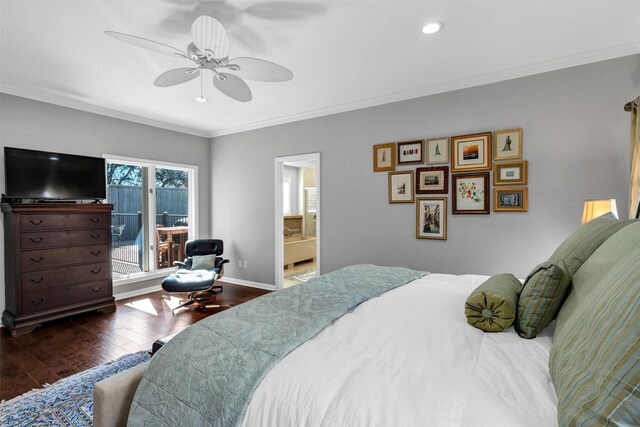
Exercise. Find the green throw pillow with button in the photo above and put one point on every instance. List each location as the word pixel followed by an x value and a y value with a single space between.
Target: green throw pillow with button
pixel 492 306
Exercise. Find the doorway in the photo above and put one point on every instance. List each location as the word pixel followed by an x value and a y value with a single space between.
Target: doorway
pixel 297 224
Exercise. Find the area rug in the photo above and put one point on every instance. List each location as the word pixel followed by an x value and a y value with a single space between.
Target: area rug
pixel 303 276
pixel 68 402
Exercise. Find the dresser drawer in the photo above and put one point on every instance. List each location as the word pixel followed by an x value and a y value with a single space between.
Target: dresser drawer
pixel 45 279
pixel 48 258
pixel 64 295
pixel 36 222
pixel 48 239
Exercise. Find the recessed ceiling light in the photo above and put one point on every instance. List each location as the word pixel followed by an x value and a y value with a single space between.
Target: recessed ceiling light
pixel 200 99
pixel 432 27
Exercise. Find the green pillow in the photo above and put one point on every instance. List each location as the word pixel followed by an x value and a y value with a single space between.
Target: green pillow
pixel 203 262
pixel 541 297
pixel 492 305
pixel 595 358
pixel 596 267
pixel 575 250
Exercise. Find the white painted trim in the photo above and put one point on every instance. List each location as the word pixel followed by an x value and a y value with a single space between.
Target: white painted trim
pixel 137 292
pixel 612 52
pixel 247 283
pixel 313 158
pixel 141 277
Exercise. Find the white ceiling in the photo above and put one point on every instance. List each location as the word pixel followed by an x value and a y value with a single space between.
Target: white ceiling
pixel 344 54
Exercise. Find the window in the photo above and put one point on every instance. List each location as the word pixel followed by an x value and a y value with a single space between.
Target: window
pixel 153 214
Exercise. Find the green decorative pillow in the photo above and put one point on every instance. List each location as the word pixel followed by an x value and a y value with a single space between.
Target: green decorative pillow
pixel 492 305
pixel 596 267
pixel 595 357
pixel 575 250
pixel 541 297
pixel 203 262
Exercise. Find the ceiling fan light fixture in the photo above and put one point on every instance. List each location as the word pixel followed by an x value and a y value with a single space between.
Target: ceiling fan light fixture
pixel 432 27
pixel 200 99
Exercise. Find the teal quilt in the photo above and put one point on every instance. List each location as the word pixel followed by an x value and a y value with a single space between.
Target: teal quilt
pixel 206 375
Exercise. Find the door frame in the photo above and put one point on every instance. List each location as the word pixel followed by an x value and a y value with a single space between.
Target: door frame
pixel 279 222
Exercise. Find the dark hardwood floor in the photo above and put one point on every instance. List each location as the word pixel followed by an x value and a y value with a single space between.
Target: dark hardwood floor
pixel 65 347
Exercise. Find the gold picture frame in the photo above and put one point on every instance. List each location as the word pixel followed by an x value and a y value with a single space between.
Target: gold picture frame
pixel 471 152
pixel 384 157
pixel 431 218
pixel 510 199
pixel 507 144
pixel 401 187
pixel 510 173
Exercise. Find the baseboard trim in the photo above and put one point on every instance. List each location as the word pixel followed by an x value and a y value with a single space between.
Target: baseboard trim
pixel 248 283
pixel 137 292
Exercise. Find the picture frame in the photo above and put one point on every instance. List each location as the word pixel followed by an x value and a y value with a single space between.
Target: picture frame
pixel 431 218
pixel 410 152
pixel 401 187
pixel 432 180
pixel 510 173
pixel 511 199
pixel 384 157
pixel 507 144
pixel 471 152
pixel 470 193
pixel 437 150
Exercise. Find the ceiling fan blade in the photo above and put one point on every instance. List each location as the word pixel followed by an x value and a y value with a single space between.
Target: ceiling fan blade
pixel 232 86
pixel 209 33
pixel 261 70
pixel 192 50
pixel 176 76
pixel 147 44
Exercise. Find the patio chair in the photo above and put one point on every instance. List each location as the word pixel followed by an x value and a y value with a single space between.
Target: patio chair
pixel 116 232
pixel 197 275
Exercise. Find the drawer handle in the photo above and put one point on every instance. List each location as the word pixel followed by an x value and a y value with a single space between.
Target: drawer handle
pixel 98 289
pixel 35 221
pixel 95 236
pixel 36 260
pixel 38 280
pixel 36 302
pixel 95 252
pixel 96 271
pixel 94 220
pixel 38 240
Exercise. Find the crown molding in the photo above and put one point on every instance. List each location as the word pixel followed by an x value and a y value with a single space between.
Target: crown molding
pixel 599 55
pixel 96 109
pixel 617 51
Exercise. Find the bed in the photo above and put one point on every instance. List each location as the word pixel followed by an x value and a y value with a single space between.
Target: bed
pixel 405 354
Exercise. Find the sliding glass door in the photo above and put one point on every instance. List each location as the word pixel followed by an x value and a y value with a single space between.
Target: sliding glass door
pixel 152 217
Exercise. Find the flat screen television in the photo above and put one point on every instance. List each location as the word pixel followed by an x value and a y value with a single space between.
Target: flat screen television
pixel 41 175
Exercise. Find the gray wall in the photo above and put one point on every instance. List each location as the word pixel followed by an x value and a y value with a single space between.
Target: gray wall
pixel 36 125
pixel 576 139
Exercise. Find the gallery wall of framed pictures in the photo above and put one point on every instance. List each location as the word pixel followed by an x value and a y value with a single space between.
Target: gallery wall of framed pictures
pixel 462 167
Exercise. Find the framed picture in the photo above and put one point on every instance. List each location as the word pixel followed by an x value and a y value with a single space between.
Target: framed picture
pixel 401 187
pixel 410 152
pixel 433 180
pixel 507 144
pixel 471 152
pixel 510 173
pixel 437 150
pixel 470 193
pixel 384 157
pixel 431 218
pixel 510 199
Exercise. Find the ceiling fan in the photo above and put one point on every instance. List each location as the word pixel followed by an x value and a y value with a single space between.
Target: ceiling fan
pixel 209 50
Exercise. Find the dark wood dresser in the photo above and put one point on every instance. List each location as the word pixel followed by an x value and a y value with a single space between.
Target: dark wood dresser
pixel 57 262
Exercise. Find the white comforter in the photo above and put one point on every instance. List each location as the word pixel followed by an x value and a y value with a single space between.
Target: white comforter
pixel 409 358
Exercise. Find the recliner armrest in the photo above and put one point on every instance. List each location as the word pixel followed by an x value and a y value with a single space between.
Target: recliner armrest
pixel 181 265
pixel 220 262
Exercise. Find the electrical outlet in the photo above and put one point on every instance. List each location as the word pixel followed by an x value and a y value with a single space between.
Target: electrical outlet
pixel 240 263
pixel 245 263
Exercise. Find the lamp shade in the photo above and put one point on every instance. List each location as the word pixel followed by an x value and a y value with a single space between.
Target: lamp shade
pixel 595 208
